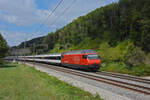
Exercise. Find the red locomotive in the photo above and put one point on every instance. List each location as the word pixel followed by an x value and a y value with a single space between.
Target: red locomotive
pixel 81 59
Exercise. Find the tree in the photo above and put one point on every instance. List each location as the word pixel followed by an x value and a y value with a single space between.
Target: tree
pixel 134 56
pixel 3 47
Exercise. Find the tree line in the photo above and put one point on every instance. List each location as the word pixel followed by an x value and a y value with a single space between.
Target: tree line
pixel 114 23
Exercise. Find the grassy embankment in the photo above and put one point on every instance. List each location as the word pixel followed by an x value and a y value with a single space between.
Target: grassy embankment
pixel 123 58
pixel 19 82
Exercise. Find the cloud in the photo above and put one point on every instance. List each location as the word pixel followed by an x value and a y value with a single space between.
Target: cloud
pixel 79 8
pixel 26 13
pixel 15 38
pixel 21 12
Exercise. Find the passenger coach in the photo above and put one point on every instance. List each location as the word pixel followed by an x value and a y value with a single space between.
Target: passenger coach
pixel 50 58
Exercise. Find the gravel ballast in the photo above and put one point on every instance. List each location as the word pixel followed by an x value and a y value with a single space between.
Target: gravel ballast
pixel 108 92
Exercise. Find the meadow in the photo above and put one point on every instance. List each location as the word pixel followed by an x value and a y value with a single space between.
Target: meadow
pixel 21 82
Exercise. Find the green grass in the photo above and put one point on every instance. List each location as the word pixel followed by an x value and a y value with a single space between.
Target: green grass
pixel 19 82
pixel 120 67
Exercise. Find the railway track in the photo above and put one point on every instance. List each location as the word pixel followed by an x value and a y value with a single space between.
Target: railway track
pixel 127 77
pixel 130 86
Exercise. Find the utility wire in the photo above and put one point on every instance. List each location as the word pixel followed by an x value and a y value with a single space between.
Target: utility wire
pixel 58 17
pixel 38 29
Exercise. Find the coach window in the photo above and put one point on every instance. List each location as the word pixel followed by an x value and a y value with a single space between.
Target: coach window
pixel 58 58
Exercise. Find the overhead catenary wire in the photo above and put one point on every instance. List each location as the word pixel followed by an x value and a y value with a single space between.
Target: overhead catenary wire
pixel 59 16
pixel 42 23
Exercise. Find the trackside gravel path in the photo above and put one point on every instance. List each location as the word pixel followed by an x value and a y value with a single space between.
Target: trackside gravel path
pixel 106 91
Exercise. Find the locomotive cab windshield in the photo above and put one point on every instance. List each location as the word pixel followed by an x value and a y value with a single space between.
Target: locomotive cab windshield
pixel 92 56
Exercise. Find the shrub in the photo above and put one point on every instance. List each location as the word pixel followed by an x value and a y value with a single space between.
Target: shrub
pixel 134 56
pixel 113 54
pixel 1 62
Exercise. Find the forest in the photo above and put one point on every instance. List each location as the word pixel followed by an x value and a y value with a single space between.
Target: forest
pixel 119 32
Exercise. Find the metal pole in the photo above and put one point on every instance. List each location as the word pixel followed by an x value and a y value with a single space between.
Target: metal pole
pixel 34 55
pixel 24 50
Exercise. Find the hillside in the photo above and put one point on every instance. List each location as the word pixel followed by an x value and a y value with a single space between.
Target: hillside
pixel 119 32
pixel 31 44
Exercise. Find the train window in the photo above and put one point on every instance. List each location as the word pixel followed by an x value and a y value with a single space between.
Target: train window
pixel 84 56
pixel 58 58
pixel 48 58
pixel 38 57
pixel 93 57
pixel 53 58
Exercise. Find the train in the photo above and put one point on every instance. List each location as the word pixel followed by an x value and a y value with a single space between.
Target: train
pixel 77 59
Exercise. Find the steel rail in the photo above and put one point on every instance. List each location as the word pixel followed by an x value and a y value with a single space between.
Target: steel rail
pixel 132 78
pixel 102 79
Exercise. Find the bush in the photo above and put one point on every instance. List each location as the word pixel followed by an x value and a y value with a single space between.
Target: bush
pixel 134 56
pixel 120 67
pixel 1 62
pixel 113 54
pixel 147 61
pixel 140 70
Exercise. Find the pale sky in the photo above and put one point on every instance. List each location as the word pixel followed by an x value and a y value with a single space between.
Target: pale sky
pixel 19 19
